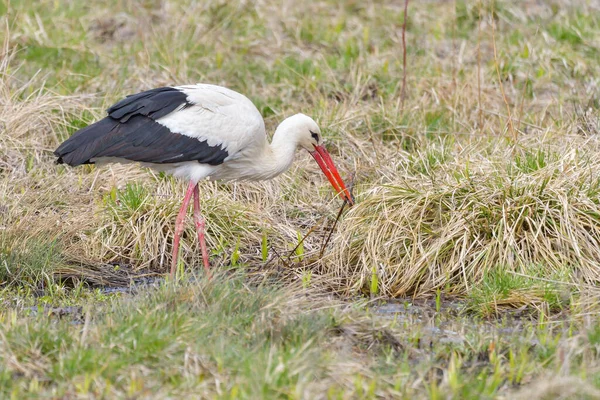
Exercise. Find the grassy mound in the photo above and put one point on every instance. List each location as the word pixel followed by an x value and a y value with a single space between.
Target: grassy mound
pixel 447 220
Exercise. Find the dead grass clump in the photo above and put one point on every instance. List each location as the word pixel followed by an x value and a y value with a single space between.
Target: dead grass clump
pixel 445 221
pixel 134 227
pixel 31 117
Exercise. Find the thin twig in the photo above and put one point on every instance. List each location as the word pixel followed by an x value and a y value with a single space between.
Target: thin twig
pixel 311 230
pixel 403 90
pixel 510 123
pixel 524 92
pixel 479 70
pixel 350 190
pixel 455 53
pixel 279 256
pixel 326 242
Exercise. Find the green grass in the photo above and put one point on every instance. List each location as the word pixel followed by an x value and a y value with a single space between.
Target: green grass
pixel 28 261
pixel 501 290
pixel 230 339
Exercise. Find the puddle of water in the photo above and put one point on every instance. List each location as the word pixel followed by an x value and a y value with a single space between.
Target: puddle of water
pixel 138 283
pixel 450 324
pixel 74 313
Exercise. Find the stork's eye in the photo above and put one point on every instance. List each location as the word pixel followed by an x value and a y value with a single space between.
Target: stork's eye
pixel 314 136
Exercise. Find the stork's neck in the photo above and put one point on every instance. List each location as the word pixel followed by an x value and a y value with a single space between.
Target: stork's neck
pixel 279 155
pixel 266 161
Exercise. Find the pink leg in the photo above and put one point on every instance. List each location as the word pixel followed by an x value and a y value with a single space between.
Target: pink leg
pixel 179 226
pixel 200 224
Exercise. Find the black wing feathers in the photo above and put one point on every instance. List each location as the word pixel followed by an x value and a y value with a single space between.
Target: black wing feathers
pixel 131 132
pixel 153 103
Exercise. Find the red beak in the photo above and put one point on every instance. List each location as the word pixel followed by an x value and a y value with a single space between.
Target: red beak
pixel 324 160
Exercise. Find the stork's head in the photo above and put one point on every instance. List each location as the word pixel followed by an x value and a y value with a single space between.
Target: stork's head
pixel 308 136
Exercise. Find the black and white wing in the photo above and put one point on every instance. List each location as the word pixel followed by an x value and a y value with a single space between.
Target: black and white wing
pixel 203 123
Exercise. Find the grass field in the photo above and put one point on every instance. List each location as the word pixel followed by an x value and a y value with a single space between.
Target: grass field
pixel 467 269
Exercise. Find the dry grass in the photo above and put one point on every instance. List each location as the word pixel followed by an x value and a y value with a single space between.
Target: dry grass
pixel 31 117
pixel 449 216
pixel 446 193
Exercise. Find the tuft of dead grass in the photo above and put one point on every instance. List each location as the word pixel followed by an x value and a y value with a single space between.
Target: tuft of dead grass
pixel 448 218
pixel 32 118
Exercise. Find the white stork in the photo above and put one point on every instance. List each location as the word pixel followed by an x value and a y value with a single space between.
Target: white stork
pixel 196 132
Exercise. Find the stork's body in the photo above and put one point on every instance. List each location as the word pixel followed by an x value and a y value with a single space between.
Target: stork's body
pixel 196 132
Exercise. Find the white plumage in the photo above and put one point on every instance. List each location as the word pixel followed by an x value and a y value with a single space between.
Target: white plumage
pixel 218 115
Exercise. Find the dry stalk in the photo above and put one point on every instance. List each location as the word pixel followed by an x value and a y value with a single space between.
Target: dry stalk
pixel 403 90
pixel 310 231
pixel 326 241
pixel 479 68
pixel 511 128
